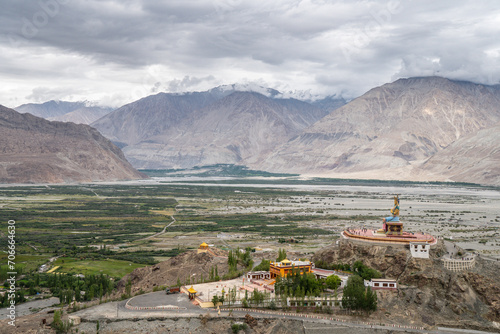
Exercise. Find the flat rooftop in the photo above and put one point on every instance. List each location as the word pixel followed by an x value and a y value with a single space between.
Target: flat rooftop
pixel 206 291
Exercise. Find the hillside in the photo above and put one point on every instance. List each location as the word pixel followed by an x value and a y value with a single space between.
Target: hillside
pixel 182 267
pixel 149 116
pixel 428 294
pixel 76 112
pixel 473 158
pixel 34 150
pixel 391 130
pixel 86 115
pixel 179 131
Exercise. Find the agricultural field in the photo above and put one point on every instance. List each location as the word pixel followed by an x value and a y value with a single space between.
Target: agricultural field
pixel 109 267
pixel 114 228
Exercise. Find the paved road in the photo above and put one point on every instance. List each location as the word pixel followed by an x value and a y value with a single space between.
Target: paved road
pixel 160 298
pixel 187 309
pixel 116 310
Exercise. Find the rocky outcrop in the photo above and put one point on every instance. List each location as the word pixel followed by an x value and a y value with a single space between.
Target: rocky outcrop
pixel 488 289
pixel 183 267
pixel 34 150
pixel 428 294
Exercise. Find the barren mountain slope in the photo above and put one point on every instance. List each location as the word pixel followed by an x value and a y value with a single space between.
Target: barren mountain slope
pixel 473 158
pixel 243 126
pixel 33 149
pixel 397 125
pixel 85 115
pixel 50 108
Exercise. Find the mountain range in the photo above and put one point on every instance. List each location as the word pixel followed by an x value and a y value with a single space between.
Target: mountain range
pixel 425 129
pixel 411 129
pixel 35 150
pixel 76 112
pixel 223 125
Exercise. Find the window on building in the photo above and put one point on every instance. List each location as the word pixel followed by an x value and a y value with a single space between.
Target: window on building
pixel 385 284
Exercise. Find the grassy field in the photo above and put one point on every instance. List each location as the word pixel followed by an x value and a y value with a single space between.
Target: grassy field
pixel 27 262
pixel 113 268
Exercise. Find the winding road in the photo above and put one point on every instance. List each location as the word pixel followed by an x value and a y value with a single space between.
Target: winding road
pixel 162 231
pixel 312 322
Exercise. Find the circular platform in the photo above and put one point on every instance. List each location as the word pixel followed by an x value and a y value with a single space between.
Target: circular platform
pixel 372 236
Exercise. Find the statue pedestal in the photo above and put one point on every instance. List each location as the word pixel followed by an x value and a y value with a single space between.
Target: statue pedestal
pixel 394 228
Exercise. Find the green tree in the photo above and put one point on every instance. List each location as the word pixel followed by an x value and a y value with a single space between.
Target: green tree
pixel 364 271
pixel 333 282
pixel 221 299
pixel 264 265
pixel 77 294
pixel 354 293
pixel 246 258
pixel 281 255
pixel 57 317
pixel 232 261
pixel 357 297
pixel 128 288
pixel 58 324
pixel 371 299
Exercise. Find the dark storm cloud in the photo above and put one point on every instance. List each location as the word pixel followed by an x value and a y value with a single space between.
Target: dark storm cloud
pixel 116 50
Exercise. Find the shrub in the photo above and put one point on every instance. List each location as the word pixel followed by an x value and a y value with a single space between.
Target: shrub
pixel 237 327
pixel 61 326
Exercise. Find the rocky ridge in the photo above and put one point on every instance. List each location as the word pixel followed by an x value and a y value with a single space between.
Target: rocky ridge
pixel 428 294
pixel 181 267
pixel 34 150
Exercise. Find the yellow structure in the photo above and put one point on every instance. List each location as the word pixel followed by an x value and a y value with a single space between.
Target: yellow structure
pixel 284 268
pixel 192 293
pixel 203 248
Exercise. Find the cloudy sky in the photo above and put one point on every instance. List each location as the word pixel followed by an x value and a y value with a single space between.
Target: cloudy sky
pixel 117 51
